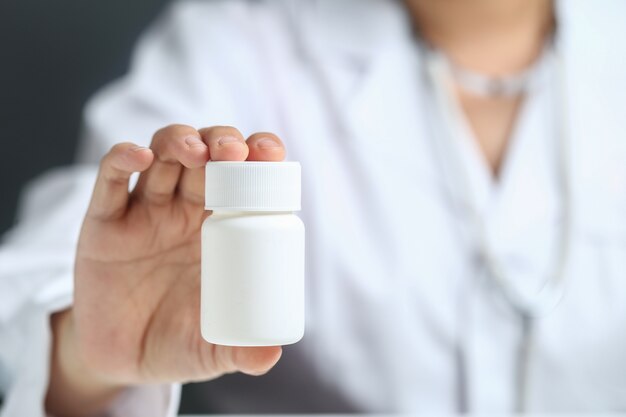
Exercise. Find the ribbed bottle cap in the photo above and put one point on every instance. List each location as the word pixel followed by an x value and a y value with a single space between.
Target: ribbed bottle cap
pixel 252 186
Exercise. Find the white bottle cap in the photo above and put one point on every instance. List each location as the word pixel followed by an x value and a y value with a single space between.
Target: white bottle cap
pixel 252 186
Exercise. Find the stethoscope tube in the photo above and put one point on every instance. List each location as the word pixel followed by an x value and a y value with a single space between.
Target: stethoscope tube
pixel 528 304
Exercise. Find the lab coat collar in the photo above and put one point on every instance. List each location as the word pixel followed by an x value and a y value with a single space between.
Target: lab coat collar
pixel 367 40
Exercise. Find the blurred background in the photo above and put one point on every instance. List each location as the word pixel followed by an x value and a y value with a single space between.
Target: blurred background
pixel 54 56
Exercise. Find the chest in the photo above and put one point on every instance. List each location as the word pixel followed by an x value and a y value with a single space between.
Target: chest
pixel 392 270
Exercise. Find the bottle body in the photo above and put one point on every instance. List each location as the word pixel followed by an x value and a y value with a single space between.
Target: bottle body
pixel 252 289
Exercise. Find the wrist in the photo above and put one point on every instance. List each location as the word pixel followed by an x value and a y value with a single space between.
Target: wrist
pixel 74 389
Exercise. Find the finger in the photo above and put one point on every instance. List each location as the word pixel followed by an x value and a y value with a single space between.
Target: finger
pixel 265 146
pixel 110 195
pixel 225 144
pixel 174 146
pixel 249 360
pixel 191 186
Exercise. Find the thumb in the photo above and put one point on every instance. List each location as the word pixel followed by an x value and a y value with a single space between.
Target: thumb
pixel 256 360
pixel 249 360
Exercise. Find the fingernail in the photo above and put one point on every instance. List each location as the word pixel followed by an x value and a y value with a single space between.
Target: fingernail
pixel 227 139
pixel 266 143
pixel 193 141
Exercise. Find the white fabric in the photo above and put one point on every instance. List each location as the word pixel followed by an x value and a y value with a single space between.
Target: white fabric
pixel 395 295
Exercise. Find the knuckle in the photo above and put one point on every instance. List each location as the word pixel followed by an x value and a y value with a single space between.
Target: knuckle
pixel 108 168
pixel 174 130
pixel 107 159
pixel 170 141
pixel 157 197
pixel 119 148
pixel 214 133
pixel 116 151
pixel 230 129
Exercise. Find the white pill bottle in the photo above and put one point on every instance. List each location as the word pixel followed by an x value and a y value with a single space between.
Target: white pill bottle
pixel 252 289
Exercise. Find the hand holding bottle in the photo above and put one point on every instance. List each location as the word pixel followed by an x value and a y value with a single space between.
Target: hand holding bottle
pixel 136 312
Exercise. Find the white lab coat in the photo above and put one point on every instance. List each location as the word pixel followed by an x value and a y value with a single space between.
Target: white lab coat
pixel 400 317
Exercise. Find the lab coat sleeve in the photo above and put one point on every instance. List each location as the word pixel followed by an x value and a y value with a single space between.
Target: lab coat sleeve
pixel 36 260
pixel 168 83
pixel 36 264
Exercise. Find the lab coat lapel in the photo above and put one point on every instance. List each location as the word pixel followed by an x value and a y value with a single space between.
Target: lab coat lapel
pixel 384 107
pixel 376 81
pixel 366 56
pixel 372 71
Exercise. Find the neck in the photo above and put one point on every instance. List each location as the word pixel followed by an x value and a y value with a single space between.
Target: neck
pixel 494 37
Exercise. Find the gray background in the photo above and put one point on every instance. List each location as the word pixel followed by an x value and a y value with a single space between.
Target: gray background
pixel 53 56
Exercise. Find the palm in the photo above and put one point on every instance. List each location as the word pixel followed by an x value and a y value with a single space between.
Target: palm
pixel 140 278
